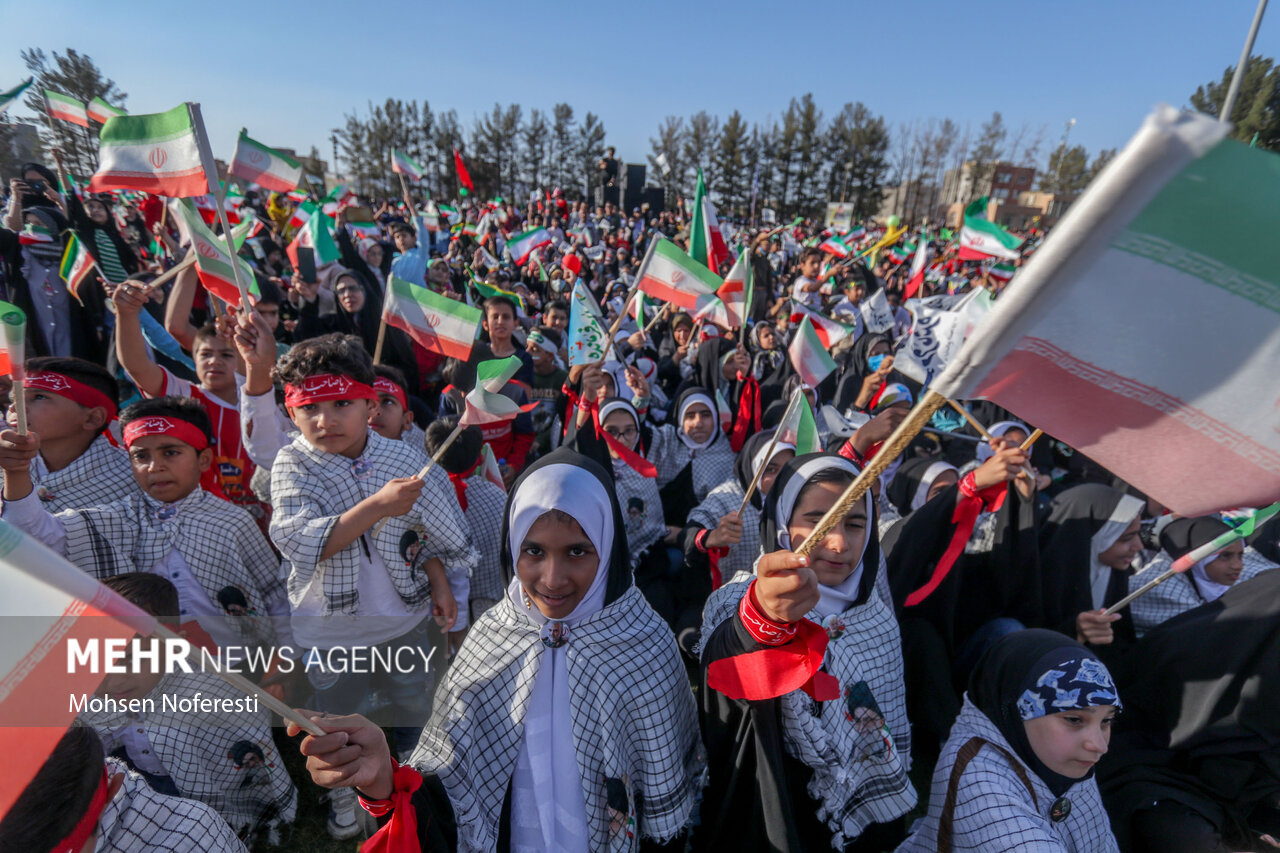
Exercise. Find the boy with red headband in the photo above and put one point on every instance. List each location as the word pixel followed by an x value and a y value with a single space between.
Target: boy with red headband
pixel 359 586
pixel 203 544
pixel 392 417
pixel 80 801
pixel 71 404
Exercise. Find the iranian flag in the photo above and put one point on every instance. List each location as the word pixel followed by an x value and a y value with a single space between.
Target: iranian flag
pixel 670 275
pixel 916 280
pixel 50 604
pixel 302 214
pixel 809 355
pixel 7 99
pixel 901 252
pixel 315 235
pixel 436 323
pixel 403 164
pixel 157 153
pixel 1002 272
pixel 266 167
pixel 66 108
pixel 77 266
pixel 213 259
pixel 523 245
pixel 798 427
pixel 99 110
pixel 829 331
pixel 1183 219
pixel 853 235
pixel 706 242
pixel 464 177
pixel 836 246
pixel 486 404
pixel 981 239
pixel 738 290
pixel 31 235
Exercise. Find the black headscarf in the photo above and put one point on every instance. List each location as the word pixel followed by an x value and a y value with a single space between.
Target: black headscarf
pixel 1266 540
pixel 620 556
pixel 1184 535
pixel 706 368
pixel 1007 670
pixel 907 480
pixel 856 369
pixel 742 468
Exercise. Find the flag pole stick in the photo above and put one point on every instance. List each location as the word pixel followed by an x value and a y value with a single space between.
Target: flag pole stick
pixel 172 271
pixel 894 445
pixel 219 197
pixel 1233 91
pixel 241 683
pixel 773 442
pixel 973 422
pixel 448 442
pixel 1179 566
pixel 382 334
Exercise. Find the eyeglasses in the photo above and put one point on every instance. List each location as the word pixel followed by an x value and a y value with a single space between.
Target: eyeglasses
pixel 627 434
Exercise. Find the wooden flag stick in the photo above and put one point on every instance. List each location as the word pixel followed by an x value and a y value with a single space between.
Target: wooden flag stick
pixel 172 272
pixel 893 446
pixel 1031 439
pixel 773 442
pixel 973 422
pixel 382 334
pixel 241 683
pixel 617 324
pixel 448 442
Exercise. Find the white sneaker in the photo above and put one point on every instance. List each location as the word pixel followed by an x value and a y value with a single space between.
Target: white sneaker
pixel 342 822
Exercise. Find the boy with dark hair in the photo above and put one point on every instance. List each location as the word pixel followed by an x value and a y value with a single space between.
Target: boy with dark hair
pixel 807 288
pixel 393 418
pixel 81 801
pixel 483 505
pixel 189 754
pixel 499 322
pixel 172 527
pixel 217 391
pixel 544 345
pixel 354 581
pixel 70 405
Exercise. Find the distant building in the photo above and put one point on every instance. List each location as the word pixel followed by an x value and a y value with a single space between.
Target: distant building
pixel 1003 183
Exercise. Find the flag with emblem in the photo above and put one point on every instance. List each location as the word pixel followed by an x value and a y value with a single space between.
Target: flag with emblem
pixel 809 356
pixel 99 110
pixel 669 275
pixel 436 323
pixel 158 153
pixel 77 266
pixel 830 332
pixel 213 260
pixel 267 167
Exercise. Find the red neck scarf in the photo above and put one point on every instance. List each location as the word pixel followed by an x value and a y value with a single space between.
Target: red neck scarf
pixel 747 420
pixel 460 484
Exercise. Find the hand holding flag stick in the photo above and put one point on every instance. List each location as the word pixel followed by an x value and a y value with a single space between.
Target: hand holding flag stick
pixel 796 396
pixel 1208 549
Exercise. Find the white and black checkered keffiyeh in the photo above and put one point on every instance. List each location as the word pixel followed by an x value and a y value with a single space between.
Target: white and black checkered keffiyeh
pixel 1178 594
pixel 219 541
pixel 634 720
pixel 859 746
pixel 719 502
pixel 994 810
pixel 311 488
pixel 100 475
pixel 486 504
pixel 641 504
pixel 712 465
pixel 139 819
pixel 202 752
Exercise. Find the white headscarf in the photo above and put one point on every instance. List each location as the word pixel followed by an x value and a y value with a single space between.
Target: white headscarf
pixel 1210 590
pixel 691 400
pixel 548 808
pixel 1121 517
pixel 931 473
pixel 997 431
pixel 832 599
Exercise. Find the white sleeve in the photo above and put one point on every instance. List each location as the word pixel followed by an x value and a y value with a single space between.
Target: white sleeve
pixel 264 429
pixel 31 518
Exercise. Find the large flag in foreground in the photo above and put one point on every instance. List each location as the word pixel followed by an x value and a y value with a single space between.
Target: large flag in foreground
pixel 45 603
pixel 1177 231
pixel 157 153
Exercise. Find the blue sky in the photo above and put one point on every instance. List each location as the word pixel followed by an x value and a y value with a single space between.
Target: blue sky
pixel 289 71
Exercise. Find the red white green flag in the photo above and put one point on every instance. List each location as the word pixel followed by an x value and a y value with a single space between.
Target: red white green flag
pixel 7 99
pixel 158 153
pixel 315 235
pixel 525 244
pixel 729 306
pixel 798 427
pixel 99 110
pixel 266 167
pixel 809 356
pixel 916 279
pixel 981 239
pixel 486 404
pixel 464 177
pixel 302 214
pixel 213 259
pixel 403 164
pixel 706 242
pixel 835 245
pixel 77 266
pixel 66 108
pixel 437 323
pixel 669 275
pixel 31 234
pixel 1002 272
pixel 829 331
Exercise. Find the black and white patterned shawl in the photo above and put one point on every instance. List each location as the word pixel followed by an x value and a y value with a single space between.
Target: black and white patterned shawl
pixel 311 488
pixel 633 719
pixel 994 811
pixel 1178 594
pixel 486 505
pixel 137 819
pixel 100 475
pixel 641 504
pixel 219 541
pixel 198 751
pixel 712 465
pixel 720 501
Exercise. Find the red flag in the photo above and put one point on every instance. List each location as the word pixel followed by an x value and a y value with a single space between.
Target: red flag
pixel 572 264
pixel 463 177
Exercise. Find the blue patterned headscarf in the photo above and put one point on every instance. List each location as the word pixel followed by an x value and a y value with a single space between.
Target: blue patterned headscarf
pixel 1070 685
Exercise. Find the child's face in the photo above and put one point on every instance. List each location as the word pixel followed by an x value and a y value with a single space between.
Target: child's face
pixel 388 419
pixel 1227 566
pixel 134 684
pixel 215 364
pixel 556 564
pixel 771 469
pixel 557 319
pixel 698 422
pixel 622 427
pixel 54 417
pixel 270 312
pixel 499 322
pixel 838 553
pixel 335 426
pixel 1124 549
pixel 167 469
pixel 809 267
pixel 541 358
pixel 1071 742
